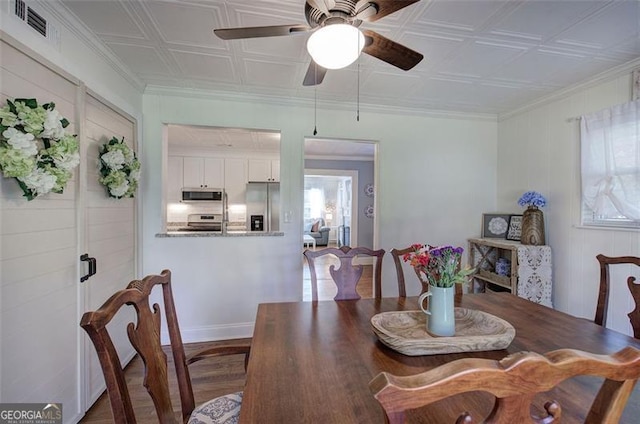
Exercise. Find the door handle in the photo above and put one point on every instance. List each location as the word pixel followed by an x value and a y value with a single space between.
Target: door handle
pixel 93 266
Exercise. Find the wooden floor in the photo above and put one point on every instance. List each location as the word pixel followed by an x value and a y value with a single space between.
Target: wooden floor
pixel 216 377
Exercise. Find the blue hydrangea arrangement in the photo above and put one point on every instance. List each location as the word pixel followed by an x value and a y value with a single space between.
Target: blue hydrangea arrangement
pixel 532 198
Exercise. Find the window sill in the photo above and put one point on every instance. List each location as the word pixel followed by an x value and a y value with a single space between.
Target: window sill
pixel 608 228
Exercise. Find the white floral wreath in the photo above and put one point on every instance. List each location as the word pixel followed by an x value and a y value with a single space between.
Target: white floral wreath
pixel 119 168
pixel 34 147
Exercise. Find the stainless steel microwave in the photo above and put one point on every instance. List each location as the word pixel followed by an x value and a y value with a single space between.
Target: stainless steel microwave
pixel 202 194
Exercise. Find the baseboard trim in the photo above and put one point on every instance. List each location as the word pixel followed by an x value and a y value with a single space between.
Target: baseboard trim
pixel 364 260
pixel 213 333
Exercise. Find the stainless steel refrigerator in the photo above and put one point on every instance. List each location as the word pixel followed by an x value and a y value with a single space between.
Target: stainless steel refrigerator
pixel 263 206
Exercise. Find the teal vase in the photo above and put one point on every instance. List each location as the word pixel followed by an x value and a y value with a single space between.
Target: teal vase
pixel 441 320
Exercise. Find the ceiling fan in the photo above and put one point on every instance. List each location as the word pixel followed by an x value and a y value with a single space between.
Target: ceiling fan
pixel 348 15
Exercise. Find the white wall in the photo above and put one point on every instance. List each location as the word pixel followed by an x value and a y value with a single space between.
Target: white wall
pixel 436 175
pixel 540 150
pixel 74 55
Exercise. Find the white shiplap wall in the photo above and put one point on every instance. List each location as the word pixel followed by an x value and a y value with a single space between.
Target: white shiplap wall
pixel 41 300
pixel 39 326
pixel 539 149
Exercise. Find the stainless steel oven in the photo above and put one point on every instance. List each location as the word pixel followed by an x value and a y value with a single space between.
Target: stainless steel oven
pixel 204 222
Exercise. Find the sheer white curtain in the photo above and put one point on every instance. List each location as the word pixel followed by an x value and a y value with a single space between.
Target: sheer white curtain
pixel 610 149
pixel 316 200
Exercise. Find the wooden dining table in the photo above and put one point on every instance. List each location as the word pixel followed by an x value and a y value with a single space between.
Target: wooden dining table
pixel 311 362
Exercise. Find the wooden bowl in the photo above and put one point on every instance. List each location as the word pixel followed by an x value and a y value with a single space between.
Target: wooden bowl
pixel 406 332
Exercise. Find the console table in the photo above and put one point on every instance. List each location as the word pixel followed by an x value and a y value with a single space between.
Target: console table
pixel 530 275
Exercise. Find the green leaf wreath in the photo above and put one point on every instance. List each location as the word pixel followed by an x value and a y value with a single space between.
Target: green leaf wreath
pixel 35 149
pixel 119 168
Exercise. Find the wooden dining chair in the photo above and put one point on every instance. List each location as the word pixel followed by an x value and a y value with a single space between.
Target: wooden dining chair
pixel 603 294
pixel 347 275
pixel 397 255
pixel 514 381
pixel 144 336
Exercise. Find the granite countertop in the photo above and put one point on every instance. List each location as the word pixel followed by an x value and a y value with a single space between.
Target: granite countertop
pixel 234 229
pixel 176 229
pixel 229 233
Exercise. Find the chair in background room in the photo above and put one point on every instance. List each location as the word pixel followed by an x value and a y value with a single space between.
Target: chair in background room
pixel 145 338
pixel 603 294
pixel 514 381
pixel 347 275
pixel 397 255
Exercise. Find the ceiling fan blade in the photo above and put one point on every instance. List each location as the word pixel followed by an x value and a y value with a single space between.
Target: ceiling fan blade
pixel 315 74
pixel 389 51
pixel 255 32
pixel 384 8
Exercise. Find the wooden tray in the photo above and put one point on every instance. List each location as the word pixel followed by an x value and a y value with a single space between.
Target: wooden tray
pixel 406 332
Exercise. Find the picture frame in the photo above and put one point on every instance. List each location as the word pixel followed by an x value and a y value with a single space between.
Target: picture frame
pixel 495 225
pixel 515 228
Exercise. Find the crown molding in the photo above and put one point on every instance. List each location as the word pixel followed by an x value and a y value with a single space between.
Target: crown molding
pixel 74 25
pixel 301 102
pixel 615 72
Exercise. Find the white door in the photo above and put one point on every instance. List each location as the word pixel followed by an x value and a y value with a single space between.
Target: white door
pixel 38 260
pixel 109 236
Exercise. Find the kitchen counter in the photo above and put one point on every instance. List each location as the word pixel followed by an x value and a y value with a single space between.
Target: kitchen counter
pixel 230 233
pixel 234 229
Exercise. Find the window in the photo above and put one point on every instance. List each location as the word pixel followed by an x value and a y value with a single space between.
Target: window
pixel 328 197
pixel 610 150
pixel 314 203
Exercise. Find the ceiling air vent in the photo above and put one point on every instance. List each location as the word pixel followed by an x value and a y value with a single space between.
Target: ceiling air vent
pixel 20 9
pixel 34 20
pixel 37 22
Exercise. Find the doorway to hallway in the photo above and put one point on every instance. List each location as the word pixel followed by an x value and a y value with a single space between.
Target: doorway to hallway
pixel 347 207
pixel 330 204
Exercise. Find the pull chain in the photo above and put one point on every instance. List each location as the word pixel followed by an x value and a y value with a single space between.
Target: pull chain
pixel 358 101
pixel 358 84
pixel 315 99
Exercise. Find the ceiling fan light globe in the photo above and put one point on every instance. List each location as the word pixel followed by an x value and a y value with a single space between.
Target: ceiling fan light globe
pixel 335 46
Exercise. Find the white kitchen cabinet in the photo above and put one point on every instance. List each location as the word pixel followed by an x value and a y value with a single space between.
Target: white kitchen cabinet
pixel 264 170
pixel 275 170
pixel 174 179
pixel 203 172
pixel 235 178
